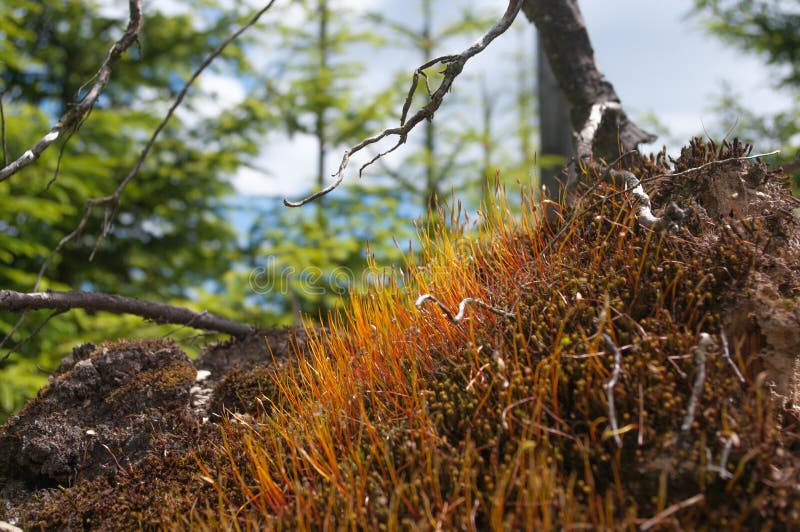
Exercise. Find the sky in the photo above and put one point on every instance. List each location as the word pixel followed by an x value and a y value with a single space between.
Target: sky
pixel 655 53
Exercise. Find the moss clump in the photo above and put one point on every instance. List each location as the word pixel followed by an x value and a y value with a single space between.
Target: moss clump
pixel 399 417
pixel 492 422
pixel 244 391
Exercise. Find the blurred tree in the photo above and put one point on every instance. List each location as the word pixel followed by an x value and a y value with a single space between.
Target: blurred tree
pixel 768 28
pixel 438 169
pixel 169 237
pixel 318 93
pixel 303 259
pixel 554 127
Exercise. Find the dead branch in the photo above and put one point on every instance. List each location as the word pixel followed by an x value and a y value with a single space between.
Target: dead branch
pixel 722 468
pixel 158 312
pixel 710 163
pixel 112 201
pixel 700 355
pixel 593 102
pixel 74 115
pixel 462 307
pixel 586 136
pixel 453 64
pixel 612 382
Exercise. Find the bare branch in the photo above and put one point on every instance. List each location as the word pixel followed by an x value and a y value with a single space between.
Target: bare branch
pixel 462 307
pixel 592 99
pixel 158 312
pixel 586 136
pixel 711 163
pixel 453 64
pixel 73 116
pixel 722 468
pixel 112 201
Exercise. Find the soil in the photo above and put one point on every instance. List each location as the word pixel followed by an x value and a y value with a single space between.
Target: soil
pixel 107 409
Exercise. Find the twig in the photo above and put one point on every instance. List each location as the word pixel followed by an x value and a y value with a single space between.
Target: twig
pixel 582 197
pixel 112 201
pixel 75 114
pixel 661 516
pixel 462 307
pixel 453 64
pixel 722 468
pixel 10 333
pixel 727 355
pixel 612 382
pixel 158 312
pixel 119 466
pixel 700 354
pixel 183 326
pixel 710 163
pixel 38 328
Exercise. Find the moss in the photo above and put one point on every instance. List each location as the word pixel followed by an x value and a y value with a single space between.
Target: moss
pixel 244 391
pixel 396 417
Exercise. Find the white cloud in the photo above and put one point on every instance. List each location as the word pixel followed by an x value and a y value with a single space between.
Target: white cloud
pixel 223 92
pixel 288 167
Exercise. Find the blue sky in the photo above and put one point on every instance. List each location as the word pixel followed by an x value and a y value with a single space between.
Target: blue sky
pixel 655 53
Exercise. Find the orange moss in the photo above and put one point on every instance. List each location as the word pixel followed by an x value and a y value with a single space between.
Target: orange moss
pixel 398 416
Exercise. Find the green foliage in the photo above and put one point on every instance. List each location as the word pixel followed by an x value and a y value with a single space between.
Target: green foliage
pixel 320 83
pixel 168 236
pixel 430 171
pixel 304 268
pixel 767 28
pixel 304 260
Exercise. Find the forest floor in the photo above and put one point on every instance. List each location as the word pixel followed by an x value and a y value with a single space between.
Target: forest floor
pixel 602 371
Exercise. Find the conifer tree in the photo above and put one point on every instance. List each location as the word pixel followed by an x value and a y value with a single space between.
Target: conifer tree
pixel 168 237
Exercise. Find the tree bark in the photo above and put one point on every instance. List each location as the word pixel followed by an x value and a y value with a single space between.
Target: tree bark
pixel 158 312
pixel 555 130
pixel 566 44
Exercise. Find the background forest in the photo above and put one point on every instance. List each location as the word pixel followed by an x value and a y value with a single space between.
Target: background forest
pixel 182 234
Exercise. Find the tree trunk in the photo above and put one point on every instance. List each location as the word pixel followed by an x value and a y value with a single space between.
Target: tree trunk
pixel 566 44
pixel 431 182
pixel 555 128
pixel 320 132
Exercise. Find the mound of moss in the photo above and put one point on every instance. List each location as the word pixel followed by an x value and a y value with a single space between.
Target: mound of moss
pixel 615 374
